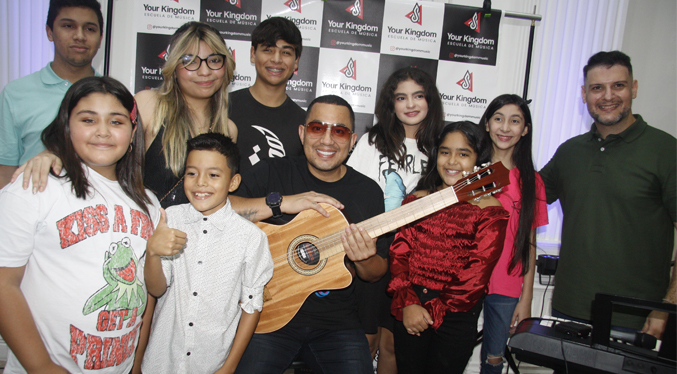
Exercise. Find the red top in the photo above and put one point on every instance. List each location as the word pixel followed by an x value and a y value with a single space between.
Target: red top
pixel 452 251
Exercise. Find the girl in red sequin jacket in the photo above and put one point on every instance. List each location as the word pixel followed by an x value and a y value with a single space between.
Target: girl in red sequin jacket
pixel 441 265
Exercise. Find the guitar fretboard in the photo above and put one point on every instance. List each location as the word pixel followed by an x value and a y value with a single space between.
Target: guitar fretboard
pixel 392 220
pixel 469 187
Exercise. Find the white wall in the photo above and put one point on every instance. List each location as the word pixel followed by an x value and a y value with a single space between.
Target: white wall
pixel 650 39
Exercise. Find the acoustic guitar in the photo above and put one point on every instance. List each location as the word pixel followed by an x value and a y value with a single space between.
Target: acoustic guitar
pixel 308 253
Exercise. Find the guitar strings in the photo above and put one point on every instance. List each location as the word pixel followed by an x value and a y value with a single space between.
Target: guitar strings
pixel 331 241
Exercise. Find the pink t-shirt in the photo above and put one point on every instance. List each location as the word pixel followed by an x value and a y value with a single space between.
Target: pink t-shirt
pixel 501 282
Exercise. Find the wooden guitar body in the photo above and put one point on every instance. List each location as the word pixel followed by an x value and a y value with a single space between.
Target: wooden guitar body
pixel 308 253
pixel 297 264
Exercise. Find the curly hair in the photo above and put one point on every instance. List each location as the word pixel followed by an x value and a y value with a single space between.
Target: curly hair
pixel 388 133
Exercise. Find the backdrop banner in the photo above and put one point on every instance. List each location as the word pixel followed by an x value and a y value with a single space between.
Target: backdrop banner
pixel 349 47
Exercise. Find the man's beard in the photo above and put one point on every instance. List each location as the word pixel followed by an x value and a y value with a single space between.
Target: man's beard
pixel 621 116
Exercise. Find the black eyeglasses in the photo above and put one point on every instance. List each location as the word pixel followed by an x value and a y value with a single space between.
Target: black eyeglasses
pixel 317 129
pixel 192 63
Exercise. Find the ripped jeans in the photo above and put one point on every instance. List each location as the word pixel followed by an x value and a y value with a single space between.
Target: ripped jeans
pixel 498 310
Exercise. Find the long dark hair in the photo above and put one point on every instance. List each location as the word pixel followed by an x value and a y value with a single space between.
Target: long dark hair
pixel 388 133
pixel 57 139
pixel 431 179
pixel 521 157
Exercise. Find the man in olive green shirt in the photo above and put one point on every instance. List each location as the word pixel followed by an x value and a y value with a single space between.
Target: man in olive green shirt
pixel 616 185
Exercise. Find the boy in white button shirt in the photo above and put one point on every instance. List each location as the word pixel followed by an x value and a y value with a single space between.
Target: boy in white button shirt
pixel 206 264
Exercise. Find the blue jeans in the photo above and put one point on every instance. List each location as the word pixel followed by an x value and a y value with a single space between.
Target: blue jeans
pixel 498 310
pixel 325 351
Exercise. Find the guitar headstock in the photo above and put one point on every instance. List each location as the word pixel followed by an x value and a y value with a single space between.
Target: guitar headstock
pixel 487 180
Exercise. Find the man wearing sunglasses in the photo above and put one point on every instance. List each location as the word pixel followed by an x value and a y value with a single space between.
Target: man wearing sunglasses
pixel 265 116
pixel 326 332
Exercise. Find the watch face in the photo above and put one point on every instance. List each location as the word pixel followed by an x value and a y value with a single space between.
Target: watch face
pixel 274 198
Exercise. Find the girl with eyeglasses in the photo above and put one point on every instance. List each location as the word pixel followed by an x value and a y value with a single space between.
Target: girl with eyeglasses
pixel 393 153
pixel 192 100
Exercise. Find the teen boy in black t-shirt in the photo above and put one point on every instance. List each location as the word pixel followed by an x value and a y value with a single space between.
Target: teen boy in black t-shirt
pixel 266 118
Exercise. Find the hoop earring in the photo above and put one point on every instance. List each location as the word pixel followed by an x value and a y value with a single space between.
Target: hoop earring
pixel 131 146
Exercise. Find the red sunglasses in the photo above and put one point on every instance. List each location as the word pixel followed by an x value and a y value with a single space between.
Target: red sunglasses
pixel 317 129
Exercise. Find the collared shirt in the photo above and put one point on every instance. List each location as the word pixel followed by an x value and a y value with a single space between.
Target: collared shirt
pixel 619 200
pixel 27 106
pixel 221 271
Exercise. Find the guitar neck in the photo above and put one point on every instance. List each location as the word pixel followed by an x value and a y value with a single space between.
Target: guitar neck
pixel 394 219
pixel 487 180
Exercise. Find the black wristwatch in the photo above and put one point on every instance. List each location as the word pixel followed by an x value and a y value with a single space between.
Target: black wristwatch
pixel 274 200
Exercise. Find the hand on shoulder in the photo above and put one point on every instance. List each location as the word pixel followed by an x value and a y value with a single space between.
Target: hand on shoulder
pixel 36 170
pixel 486 201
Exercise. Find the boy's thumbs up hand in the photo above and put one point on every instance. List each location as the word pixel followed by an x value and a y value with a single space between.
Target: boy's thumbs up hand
pixel 165 241
pixel 163 218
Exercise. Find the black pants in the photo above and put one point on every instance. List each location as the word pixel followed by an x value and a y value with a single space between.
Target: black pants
pixel 445 350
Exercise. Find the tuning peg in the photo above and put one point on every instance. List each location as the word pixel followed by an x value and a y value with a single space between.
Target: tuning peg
pixel 485 164
pixel 465 173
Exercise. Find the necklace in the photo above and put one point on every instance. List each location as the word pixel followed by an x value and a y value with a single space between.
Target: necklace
pixel 209 129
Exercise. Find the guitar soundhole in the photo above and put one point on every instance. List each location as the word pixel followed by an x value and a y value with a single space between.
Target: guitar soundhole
pixel 304 257
pixel 308 253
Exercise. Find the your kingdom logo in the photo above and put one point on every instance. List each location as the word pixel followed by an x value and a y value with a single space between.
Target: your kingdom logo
pixel 294 5
pixel 474 22
pixel 416 15
pixel 357 9
pixel 350 70
pixel 466 81
pixel 164 54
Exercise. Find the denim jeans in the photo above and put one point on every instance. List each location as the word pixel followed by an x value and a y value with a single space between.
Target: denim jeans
pixel 325 351
pixel 498 310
